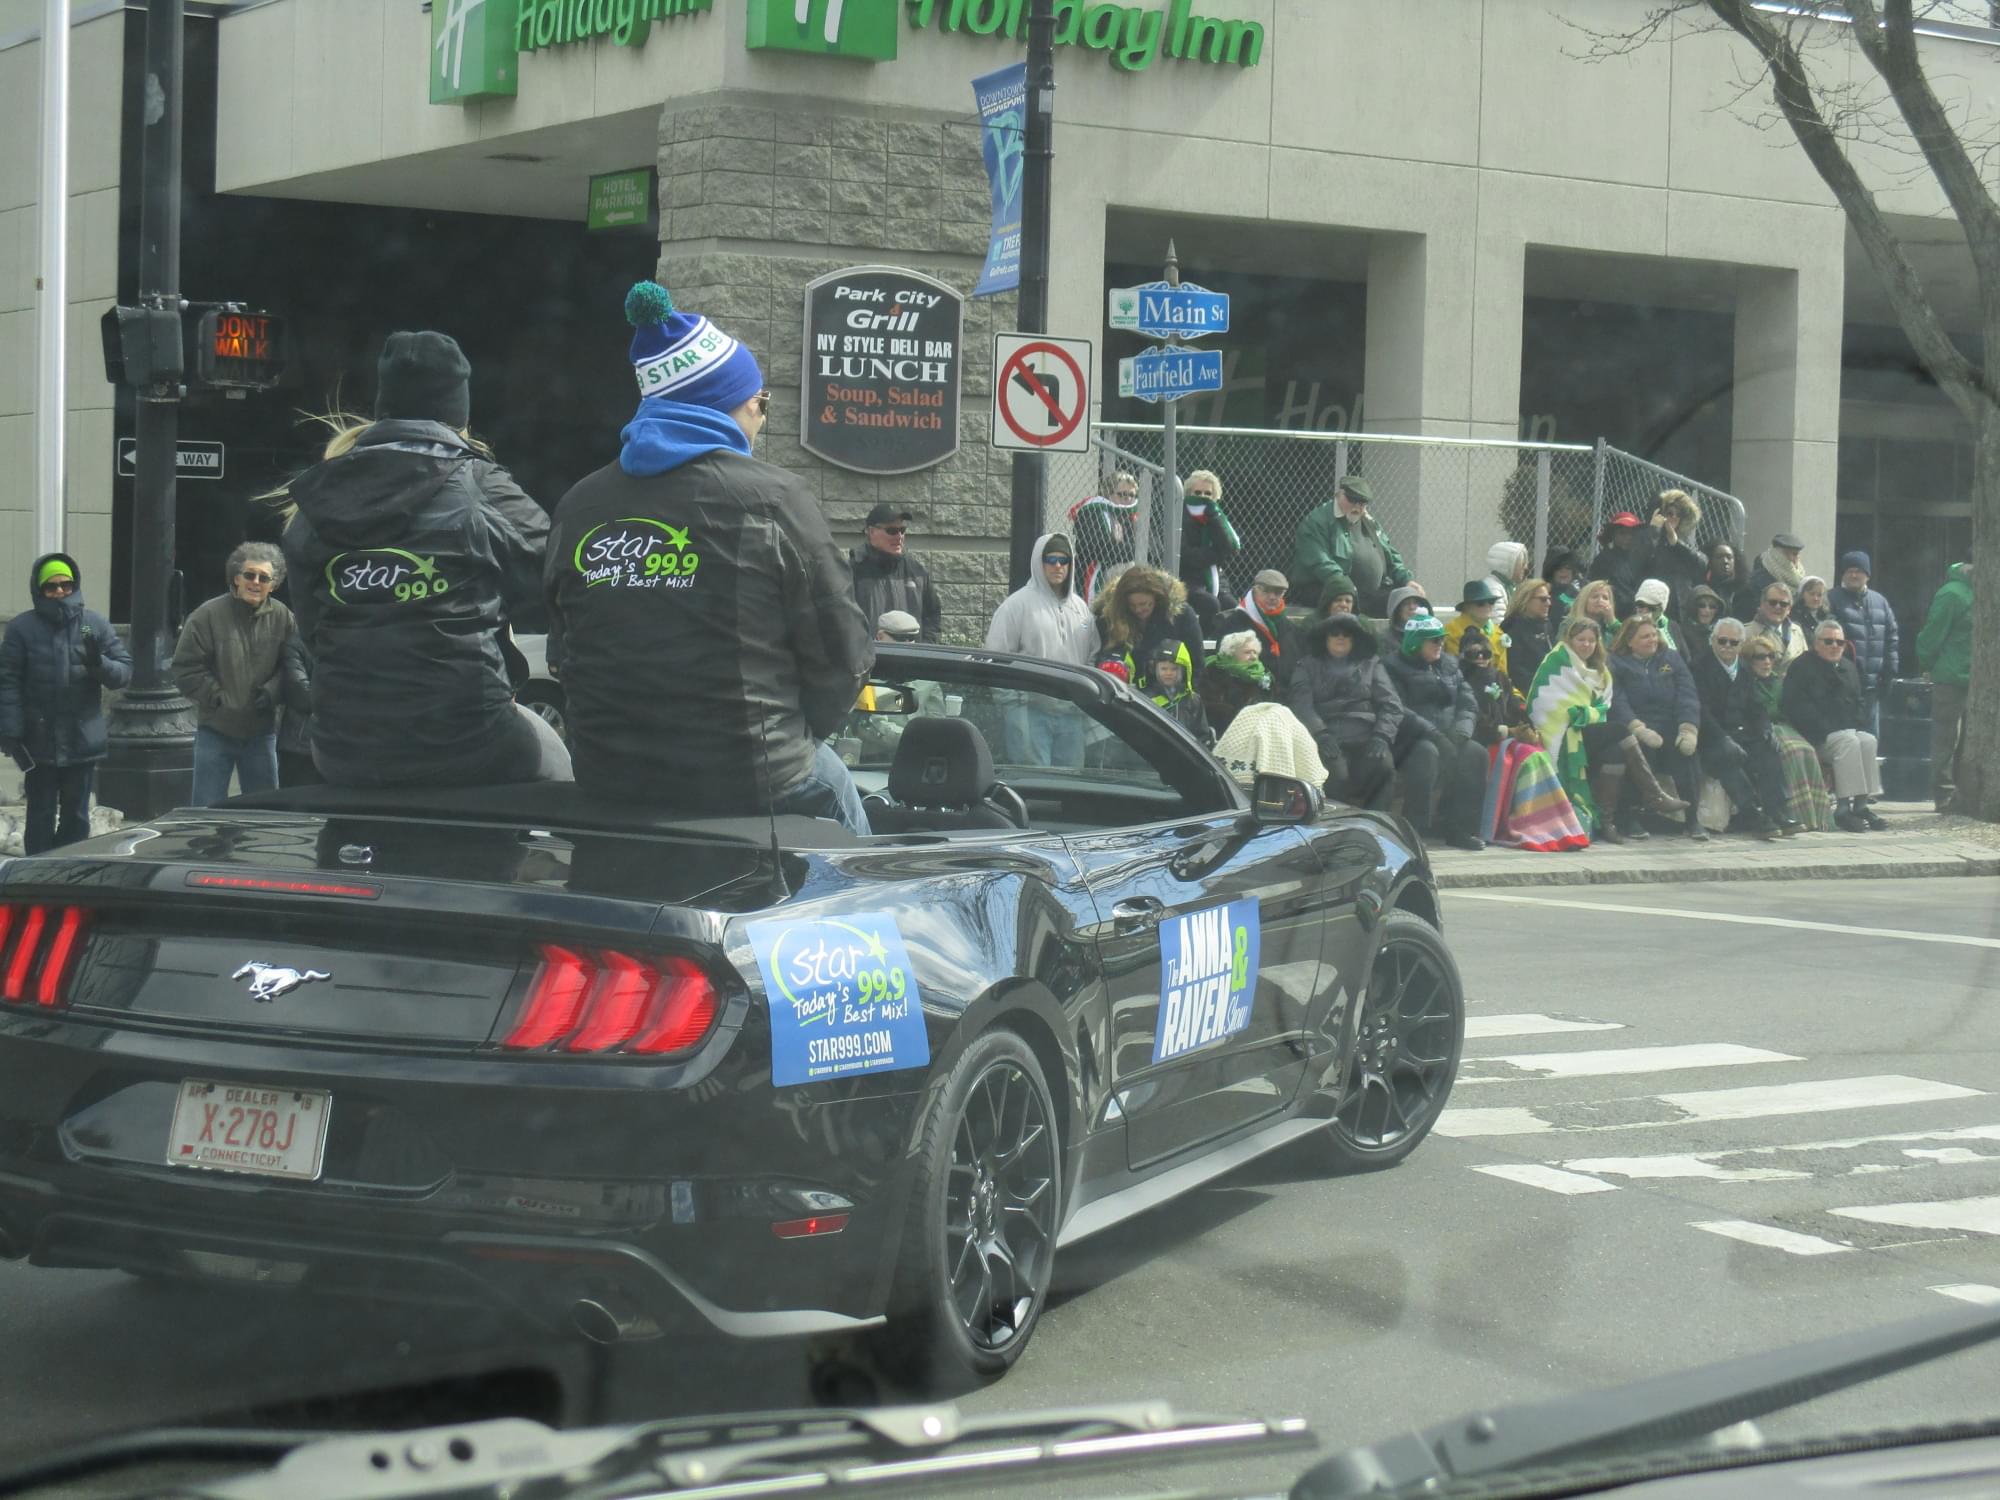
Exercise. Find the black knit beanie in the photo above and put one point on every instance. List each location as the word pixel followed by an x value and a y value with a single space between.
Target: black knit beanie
pixel 424 377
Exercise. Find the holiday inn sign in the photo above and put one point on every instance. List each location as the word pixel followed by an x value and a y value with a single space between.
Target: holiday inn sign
pixel 476 44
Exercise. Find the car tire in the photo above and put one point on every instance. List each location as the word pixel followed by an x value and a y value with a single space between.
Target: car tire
pixel 1407 1042
pixel 548 705
pixel 978 1250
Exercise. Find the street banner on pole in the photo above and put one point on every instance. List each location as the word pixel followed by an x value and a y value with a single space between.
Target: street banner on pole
pixel 1002 98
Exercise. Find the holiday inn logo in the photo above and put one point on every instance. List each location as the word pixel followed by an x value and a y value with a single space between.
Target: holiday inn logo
pixel 476 44
pixel 863 29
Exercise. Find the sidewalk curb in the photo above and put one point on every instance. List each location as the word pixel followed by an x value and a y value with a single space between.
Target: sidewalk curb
pixel 1913 868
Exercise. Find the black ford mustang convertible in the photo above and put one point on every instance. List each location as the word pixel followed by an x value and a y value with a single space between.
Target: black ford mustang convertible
pixel 623 1070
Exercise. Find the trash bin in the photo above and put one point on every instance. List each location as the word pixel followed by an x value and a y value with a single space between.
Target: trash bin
pixel 1905 743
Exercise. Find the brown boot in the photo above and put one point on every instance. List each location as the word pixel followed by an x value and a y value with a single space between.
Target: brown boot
pixel 1659 801
pixel 1606 784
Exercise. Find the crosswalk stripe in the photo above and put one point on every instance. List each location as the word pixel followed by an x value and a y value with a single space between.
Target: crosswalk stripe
pixel 1771 1236
pixel 1530 1023
pixel 1552 1178
pixel 1715 1166
pixel 1711 1105
pixel 1971 1291
pixel 1610 1061
pixel 1974 1215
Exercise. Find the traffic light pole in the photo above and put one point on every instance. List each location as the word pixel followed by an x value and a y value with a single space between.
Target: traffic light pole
pixel 1038 157
pixel 151 758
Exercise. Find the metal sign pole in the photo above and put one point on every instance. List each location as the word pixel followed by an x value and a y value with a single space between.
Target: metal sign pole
pixel 1037 164
pixel 51 373
pixel 1168 441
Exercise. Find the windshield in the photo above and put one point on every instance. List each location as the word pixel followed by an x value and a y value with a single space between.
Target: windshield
pixel 1269 704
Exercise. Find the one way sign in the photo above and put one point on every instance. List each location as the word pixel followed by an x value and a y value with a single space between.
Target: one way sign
pixel 1041 393
pixel 192 460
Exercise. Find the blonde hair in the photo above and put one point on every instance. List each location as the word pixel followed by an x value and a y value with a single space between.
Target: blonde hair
pixel 344 430
pixel 1681 500
pixel 1210 475
pixel 1524 591
pixel 1590 591
pixel 1576 621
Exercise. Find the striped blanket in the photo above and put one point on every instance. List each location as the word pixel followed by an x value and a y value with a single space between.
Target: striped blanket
pixel 1526 807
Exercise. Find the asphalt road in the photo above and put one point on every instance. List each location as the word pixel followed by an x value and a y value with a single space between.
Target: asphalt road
pixel 1694 1122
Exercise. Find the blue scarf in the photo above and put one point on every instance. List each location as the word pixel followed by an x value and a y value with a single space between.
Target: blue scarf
pixel 665 434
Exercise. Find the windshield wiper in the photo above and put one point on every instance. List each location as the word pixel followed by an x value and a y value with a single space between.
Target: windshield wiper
pixel 1663 1412
pixel 716 1458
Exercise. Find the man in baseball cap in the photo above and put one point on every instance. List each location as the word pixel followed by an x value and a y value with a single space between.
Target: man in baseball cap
pixel 1343 536
pixel 887 577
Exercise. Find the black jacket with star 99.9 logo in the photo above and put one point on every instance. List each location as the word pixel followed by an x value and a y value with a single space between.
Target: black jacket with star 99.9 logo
pixel 407 555
pixel 705 623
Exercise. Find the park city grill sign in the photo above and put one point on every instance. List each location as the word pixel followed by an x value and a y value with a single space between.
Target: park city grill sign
pixel 476 45
pixel 883 355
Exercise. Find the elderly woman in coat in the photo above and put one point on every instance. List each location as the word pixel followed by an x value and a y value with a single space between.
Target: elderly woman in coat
pixel 1656 704
pixel 1806 799
pixel 1738 746
pixel 1823 700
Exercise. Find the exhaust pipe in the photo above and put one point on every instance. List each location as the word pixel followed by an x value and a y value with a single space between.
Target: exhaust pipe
pixel 609 1317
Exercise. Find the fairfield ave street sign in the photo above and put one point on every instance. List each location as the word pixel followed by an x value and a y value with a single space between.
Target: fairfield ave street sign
pixel 1161 310
pixel 1161 374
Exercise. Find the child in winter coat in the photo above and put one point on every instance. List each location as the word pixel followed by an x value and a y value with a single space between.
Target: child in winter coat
pixel 1169 672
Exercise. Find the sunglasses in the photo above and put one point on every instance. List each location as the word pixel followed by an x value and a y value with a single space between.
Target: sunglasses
pixel 893 530
pixel 1759 656
pixel 1476 655
pixel 1052 561
pixel 1780 603
pixel 763 400
pixel 249 577
pixel 59 586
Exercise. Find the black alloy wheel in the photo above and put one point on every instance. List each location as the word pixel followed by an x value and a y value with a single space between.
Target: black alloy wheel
pixel 1406 1048
pixel 979 1244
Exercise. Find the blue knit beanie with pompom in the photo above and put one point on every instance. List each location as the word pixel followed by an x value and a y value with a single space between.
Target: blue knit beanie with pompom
pixel 684 357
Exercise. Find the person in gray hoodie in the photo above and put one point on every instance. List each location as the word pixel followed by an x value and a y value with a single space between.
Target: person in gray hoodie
pixel 1341 693
pixel 1048 617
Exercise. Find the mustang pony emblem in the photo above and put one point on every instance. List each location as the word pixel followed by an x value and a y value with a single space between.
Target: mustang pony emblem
pixel 269 981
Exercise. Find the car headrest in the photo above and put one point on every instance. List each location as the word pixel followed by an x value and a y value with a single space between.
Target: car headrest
pixel 941 763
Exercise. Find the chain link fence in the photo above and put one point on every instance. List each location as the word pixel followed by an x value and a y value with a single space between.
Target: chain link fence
pixel 1471 492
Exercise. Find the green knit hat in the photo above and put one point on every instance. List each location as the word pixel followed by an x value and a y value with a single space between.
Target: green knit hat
pixel 55 567
pixel 1421 628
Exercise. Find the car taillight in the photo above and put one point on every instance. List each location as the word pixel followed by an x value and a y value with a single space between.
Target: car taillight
pixel 38 947
pixel 611 1002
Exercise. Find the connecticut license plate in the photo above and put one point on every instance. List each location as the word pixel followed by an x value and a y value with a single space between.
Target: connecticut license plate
pixel 240 1127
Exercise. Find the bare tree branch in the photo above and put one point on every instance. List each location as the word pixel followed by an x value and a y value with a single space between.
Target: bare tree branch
pixel 1960 379
pixel 1892 50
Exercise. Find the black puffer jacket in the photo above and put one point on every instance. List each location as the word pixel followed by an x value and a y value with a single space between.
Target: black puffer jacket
pixel 1528 641
pixel 1822 696
pixel 883 583
pixel 708 627
pixel 410 552
pixel 1343 699
pixel 1436 693
pixel 54 662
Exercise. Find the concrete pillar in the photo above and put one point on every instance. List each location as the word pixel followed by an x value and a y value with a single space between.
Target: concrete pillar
pixel 1785 426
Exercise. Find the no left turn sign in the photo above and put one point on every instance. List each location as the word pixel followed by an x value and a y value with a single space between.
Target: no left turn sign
pixel 1041 393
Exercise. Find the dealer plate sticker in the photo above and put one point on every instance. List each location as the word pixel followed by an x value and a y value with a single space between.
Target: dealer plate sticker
pixel 239 1127
pixel 1208 977
pixel 842 996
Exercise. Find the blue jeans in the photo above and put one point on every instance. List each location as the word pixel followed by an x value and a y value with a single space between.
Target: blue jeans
pixel 1043 736
pixel 254 759
pixel 825 791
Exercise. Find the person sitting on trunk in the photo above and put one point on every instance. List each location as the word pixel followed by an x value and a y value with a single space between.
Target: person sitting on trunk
pixel 1439 758
pixel 714 641
pixel 413 549
pixel 230 663
pixel 1145 607
pixel 1655 703
pixel 1823 701
pixel 1169 672
pixel 1344 697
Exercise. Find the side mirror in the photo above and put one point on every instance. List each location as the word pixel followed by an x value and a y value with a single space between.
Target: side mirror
pixel 885 698
pixel 1284 799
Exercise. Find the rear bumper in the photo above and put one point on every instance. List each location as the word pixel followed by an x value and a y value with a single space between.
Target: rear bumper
pixel 443 1183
